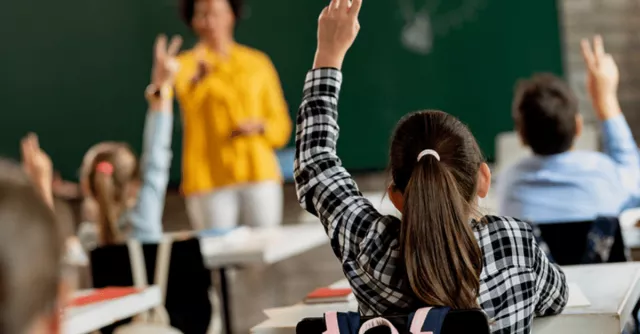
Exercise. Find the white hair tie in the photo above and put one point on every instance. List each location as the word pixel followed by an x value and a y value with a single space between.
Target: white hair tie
pixel 429 152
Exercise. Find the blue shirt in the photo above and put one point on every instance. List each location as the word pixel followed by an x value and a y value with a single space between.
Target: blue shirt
pixel 574 185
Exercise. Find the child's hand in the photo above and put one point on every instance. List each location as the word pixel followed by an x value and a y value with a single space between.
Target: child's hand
pixel 602 78
pixel 38 166
pixel 165 64
pixel 338 27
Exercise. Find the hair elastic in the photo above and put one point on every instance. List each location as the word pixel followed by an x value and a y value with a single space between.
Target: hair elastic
pixel 429 152
pixel 105 167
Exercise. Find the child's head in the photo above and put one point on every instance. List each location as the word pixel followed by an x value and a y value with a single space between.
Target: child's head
pixel 546 115
pixel 30 257
pixel 110 175
pixel 437 191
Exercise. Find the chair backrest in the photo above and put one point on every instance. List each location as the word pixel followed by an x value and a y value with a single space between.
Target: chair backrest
pixel 187 295
pixel 455 322
pixel 584 242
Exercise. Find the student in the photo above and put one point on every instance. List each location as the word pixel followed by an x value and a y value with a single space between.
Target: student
pixel 129 193
pixel 31 289
pixel 441 253
pixel 234 117
pixel 557 183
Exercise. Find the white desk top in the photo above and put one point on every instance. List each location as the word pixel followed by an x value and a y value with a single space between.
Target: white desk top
pixel 612 290
pixel 89 318
pixel 262 246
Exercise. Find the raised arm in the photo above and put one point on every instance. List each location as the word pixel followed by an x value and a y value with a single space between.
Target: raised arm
pixel 146 216
pixel 324 187
pixel 602 83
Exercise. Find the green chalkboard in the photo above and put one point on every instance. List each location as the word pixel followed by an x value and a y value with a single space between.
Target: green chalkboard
pixel 74 71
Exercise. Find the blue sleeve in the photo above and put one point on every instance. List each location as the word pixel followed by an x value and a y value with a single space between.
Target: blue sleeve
pixel 146 217
pixel 620 146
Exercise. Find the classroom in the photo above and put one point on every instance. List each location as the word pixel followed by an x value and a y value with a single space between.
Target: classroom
pixel 324 166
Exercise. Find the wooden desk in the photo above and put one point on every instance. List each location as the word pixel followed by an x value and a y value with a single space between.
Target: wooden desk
pixel 89 318
pixel 612 290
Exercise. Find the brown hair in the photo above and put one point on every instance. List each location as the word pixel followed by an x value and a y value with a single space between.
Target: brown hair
pixel 30 253
pixel 442 257
pixel 110 189
pixel 544 111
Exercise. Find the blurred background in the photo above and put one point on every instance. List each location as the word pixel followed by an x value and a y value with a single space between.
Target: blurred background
pixel 74 71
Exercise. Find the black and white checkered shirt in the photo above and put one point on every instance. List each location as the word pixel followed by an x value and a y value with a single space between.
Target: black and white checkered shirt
pixel 517 280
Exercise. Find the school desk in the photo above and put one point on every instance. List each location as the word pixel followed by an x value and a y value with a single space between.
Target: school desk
pixel 92 317
pixel 611 290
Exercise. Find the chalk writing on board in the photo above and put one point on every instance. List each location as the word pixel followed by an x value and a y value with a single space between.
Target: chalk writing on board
pixel 430 20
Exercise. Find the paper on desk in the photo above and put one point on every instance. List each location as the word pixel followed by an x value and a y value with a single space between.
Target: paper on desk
pixel 577 297
pixel 291 315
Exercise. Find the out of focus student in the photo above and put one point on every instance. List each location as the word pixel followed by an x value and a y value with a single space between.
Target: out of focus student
pixel 558 183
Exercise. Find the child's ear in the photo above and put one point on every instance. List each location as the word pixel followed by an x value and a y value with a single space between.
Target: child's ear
pixel 484 180
pixel 396 197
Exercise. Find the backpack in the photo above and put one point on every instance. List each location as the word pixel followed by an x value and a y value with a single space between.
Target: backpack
pixel 426 320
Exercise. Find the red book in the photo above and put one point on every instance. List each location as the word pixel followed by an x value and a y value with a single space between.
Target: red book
pixel 104 294
pixel 329 295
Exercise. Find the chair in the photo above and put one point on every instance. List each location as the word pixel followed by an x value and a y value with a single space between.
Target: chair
pixel 187 295
pixel 456 322
pixel 587 242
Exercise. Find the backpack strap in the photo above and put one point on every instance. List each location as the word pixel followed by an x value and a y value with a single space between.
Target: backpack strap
pixel 341 323
pixel 376 322
pixel 331 322
pixel 428 320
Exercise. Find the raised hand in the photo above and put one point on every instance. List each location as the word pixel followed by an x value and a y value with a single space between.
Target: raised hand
pixel 338 27
pixel 602 78
pixel 165 64
pixel 37 165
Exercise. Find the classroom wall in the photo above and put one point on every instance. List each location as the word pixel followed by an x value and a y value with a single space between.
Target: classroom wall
pixel 617 21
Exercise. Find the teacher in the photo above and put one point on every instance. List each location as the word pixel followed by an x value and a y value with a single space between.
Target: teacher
pixel 234 117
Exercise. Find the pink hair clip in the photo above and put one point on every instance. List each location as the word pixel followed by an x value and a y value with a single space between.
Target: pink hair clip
pixel 104 168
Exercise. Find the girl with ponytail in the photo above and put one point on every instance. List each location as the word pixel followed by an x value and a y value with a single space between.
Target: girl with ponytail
pixel 442 252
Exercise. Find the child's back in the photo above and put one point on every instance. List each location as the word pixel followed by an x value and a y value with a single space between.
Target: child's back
pixel 438 254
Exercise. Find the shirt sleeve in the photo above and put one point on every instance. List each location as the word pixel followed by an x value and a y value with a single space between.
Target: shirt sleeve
pixel 551 284
pixel 323 186
pixel 277 128
pixel 620 146
pixel 146 217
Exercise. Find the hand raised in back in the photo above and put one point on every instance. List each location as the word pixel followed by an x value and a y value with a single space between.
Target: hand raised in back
pixel 602 78
pixel 338 28
pixel 38 167
pixel 165 64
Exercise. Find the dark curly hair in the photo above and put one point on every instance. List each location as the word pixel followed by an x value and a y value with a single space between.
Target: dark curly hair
pixel 187 9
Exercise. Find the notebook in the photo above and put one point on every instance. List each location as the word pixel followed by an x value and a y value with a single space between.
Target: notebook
pixel 101 295
pixel 329 295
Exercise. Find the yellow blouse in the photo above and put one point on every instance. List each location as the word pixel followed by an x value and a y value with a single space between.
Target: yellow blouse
pixel 241 87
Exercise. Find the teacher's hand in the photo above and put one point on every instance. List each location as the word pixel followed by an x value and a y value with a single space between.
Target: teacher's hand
pixel 338 27
pixel 248 128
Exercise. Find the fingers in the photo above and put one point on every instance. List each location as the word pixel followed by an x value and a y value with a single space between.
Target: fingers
pixel 334 5
pixel 587 54
pixel 598 46
pixel 343 5
pixel 174 46
pixel 161 46
pixel 355 8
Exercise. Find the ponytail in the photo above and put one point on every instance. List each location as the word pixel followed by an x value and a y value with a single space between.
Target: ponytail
pixel 109 208
pixel 442 257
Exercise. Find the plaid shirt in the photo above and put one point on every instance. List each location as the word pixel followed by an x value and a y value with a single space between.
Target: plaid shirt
pixel 517 280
